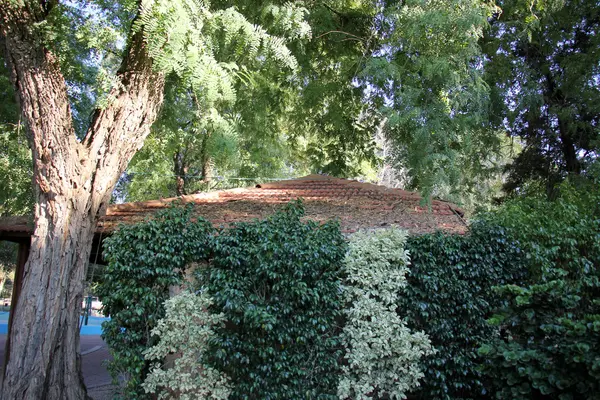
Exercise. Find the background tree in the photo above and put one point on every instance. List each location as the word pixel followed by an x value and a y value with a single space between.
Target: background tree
pixel 322 114
pixel 15 156
pixel 190 145
pixel 334 120
pixel 542 66
pixel 180 153
pixel 417 66
pixel 277 126
pixel 426 77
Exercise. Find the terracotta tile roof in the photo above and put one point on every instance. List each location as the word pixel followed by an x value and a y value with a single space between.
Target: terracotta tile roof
pixel 15 225
pixel 357 205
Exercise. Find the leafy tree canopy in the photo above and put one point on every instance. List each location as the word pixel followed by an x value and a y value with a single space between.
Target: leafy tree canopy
pixel 542 67
pixel 290 88
pixel 277 125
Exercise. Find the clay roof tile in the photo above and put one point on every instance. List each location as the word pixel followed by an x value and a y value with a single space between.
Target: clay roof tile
pixel 356 204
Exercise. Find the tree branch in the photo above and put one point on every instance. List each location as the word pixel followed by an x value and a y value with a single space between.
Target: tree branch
pixel 118 131
pixel 345 33
pixel 41 91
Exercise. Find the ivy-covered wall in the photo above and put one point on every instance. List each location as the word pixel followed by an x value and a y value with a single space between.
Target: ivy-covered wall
pixel 292 309
pixel 450 296
pixel 144 260
pixel 277 282
pixel 292 299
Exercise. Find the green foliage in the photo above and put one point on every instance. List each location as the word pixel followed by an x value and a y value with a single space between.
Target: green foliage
pixel 8 109
pixel 183 335
pixel 551 345
pixel 334 125
pixel 450 297
pixel 542 69
pixel 277 282
pixel 144 260
pixel 16 166
pixel 425 76
pixel 205 46
pixel 382 354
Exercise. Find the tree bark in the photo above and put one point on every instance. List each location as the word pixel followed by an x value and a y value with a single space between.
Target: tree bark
pixel 205 159
pixel 181 169
pixel 569 152
pixel 73 182
pixel 572 163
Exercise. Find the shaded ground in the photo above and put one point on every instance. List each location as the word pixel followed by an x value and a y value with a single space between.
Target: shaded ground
pixel 93 353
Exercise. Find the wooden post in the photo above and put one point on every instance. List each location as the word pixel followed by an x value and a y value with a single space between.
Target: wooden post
pixel 22 256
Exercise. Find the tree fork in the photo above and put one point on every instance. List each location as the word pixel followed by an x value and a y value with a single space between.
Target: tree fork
pixel 73 183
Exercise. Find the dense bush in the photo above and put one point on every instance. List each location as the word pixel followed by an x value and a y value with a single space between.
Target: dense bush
pixel 512 309
pixel 449 296
pixel 178 371
pixel 144 260
pixel 382 354
pixel 277 282
pixel 551 345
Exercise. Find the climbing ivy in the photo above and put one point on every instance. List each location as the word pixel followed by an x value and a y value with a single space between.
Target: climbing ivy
pixel 450 296
pixel 382 354
pixel 185 331
pixel 550 347
pixel 277 282
pixel 144 260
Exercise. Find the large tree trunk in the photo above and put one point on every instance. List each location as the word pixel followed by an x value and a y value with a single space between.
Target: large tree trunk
pixel 73 183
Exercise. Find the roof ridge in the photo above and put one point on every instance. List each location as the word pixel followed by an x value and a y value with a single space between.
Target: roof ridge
pixel 357 204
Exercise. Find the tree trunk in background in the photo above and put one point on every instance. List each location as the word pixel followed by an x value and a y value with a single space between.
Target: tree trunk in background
pixel 569 151
pixel 73 182
pixel 572 163
pixel 205 159
pixel 181 169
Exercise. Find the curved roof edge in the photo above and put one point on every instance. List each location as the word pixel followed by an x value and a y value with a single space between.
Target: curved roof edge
pixel 358 205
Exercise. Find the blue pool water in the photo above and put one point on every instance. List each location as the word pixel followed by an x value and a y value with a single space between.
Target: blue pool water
pixel 94 326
